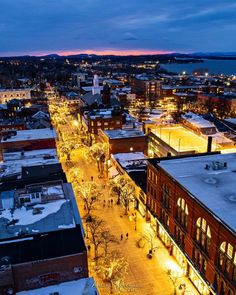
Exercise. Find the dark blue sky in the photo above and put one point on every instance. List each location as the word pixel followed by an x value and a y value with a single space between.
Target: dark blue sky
pixel 45 26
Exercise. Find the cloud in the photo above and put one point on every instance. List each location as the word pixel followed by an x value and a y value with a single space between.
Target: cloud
pixel 70 25
pixel 129 37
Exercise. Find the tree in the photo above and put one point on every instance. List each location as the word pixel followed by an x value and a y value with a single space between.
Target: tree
pixel 150 238
pixel 95 228
pixel 113 268
pixel 107 239
pixel 91 193
pixel 124 189
pixel 74 174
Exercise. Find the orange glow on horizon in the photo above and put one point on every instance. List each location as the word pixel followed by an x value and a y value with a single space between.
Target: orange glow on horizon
pixel 114 52
pixel 121 52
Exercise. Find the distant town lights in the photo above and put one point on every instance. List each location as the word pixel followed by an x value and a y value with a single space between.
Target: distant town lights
pixel 131 149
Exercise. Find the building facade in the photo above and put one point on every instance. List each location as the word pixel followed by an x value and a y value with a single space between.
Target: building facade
pixel 202 243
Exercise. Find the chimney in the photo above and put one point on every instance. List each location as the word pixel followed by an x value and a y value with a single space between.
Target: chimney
pixel 209 144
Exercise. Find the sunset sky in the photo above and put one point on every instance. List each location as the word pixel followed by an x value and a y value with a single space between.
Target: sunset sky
pixel 116 26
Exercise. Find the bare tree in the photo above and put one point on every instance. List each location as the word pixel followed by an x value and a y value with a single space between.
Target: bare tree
pixel 91 194
pixel 95 228
pixel 113 268
pixel 124 189
pixel 107 239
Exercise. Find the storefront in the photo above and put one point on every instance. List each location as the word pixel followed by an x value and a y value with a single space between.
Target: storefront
pixel 180 258
pixel 201 286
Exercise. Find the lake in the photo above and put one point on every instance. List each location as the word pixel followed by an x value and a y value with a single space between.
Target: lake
pixel 226 67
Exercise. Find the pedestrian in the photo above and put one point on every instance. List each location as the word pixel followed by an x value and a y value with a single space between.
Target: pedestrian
pixel 108 203
pixel 111 202
pixel 89 247
pixel 91 178
pixel 104 203
pixel 127 235
pixel 121 237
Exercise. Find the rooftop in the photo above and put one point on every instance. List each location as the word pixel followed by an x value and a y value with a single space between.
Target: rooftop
pixel 25 135
pixel 182 139
pixel 42 246
pixel 120 133
pixel 210 181
pixel 13 162
pixel 82 286
pixel 197 120
pixel 38 208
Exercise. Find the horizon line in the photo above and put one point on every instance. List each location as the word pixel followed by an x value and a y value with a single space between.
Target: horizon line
pixel 89 52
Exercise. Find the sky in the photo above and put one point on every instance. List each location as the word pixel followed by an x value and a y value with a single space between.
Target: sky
pixel 116 26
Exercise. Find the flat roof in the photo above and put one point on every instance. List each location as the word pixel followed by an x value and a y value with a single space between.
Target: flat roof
pixel 120 133
pixel 197 120
pixel 14 161
pixel 42 246
pixel 59 212
pixel 32 134
pixel 181 138
pixel 82 286
pixel 214 188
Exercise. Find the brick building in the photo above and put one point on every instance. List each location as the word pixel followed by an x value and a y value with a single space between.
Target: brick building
pixel 29 140
pixel 191 202
pixel 124 141
pixel 40 260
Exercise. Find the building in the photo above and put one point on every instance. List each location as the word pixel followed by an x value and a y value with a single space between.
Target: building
pixel 23 168
pixel 29 140
pixel 104 119
pixel 175 140
pixel 192 205
pixel 124 141
pixel 41 237
pixel 146 87
pixel 83 286
pixel 8 94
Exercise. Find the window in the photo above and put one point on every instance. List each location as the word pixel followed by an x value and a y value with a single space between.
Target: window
pixel 199 260
pixel 182 212
pixel 165 218
pixel 203 234
pixel 227 260
pixel 166 195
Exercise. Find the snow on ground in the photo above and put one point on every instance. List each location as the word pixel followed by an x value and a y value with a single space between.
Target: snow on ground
pixel 78 287
pixel 26 217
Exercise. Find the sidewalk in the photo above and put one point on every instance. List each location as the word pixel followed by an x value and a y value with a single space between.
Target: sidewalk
pixel 145 276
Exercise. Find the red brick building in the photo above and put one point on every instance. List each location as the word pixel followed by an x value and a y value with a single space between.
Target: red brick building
pixel 42 259
pixel 124 141
pixel 33 139
pixel 192 207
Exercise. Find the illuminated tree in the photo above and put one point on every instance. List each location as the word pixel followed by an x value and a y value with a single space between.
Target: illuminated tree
pixel 124 189
pixel 95 228
pixel 107 239
pixel 90 193
pixel 112 269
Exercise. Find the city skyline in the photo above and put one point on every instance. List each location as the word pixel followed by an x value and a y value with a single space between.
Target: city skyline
pixel 122 28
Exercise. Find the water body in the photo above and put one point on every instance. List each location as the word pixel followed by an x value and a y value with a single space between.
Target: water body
pixel 225 67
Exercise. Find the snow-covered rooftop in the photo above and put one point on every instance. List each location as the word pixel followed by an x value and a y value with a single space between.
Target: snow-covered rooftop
pixel 57 210
pixel 212 185
pixel 24 135
pixel 197 120
pixel 120 133
pixel 76 287
pixel 125 158
pixel 14 161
